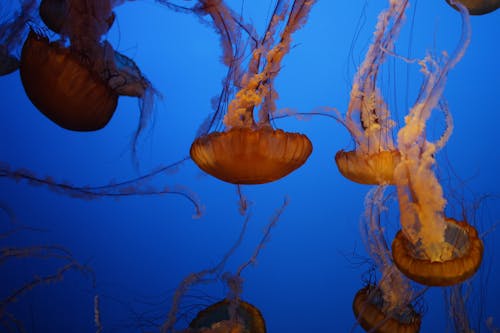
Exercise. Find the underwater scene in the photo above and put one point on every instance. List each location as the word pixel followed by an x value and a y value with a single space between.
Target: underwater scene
pixel 249 166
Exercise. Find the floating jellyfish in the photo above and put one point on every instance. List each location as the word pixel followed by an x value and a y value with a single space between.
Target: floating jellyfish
pixel 97 73
pixel 217 318
pixel 13 30
pixel 477 7
pixel 368 117
pixel 250 151
pixel 387 306
pixel 431 249
pixel 232 314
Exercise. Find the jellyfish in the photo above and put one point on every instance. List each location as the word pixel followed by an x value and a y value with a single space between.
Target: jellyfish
pixel 431 248
pixel 477 7
pixel 98 74
pixel 13 29
pixel 231 314
pixel 251 151
pixel 385 306
pixel 368 118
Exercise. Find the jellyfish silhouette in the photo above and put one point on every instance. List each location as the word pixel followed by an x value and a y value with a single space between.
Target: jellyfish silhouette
pixel 250 151
pixel 385 306
pixel 368 118
pixel 13 29
pixel 477 7
pixel 431 249
pixel 77 80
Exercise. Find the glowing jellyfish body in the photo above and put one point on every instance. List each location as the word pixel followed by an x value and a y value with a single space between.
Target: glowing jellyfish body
pixel 368 117
pixel 367 307
pixel 431 249
pixel 60 85
pixel 462 253
pixel 217 318
pixel 477 7
pixel 250 156
pixel 249 151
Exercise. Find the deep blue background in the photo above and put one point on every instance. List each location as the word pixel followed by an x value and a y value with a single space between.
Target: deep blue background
pixel 307 275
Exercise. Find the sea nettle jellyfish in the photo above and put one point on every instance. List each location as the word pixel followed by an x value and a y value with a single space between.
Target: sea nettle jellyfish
pixel 431 249
pixel 386 306
pixel 76 80
pixel 368 118
pixel 249 150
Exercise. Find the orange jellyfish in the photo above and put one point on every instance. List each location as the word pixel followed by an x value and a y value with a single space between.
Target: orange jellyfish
pixel 217 318
pixel 430 248
pixel 232 314
pixel 13 30
pixel 251 151
pixel 385 306
pixel 76 80
pixel 477 7
pixel 368 118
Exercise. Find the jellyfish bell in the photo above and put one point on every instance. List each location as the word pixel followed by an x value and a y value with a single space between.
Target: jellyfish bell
pixel 245 155
pixel 477 7
pixel 217 318
pixel 372 169
pixel 63 87
pixel 54 13
pixel 368 307
pixel 461 256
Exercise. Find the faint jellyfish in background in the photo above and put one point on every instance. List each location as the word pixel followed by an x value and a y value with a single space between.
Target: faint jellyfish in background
pixel 477 7
pixel 97 73
pixel 250 151
pixel 431 249
pixel 232 314
pixel 13 29
pixel 385 306
pixel 368 117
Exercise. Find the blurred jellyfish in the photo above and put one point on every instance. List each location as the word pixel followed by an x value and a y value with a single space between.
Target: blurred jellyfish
pixel 477 7
pixel 386 306
pixel 13 29
pixel 368 118
pixel 76 81
pixel 232 314
pixel 251 151
pixel 431 249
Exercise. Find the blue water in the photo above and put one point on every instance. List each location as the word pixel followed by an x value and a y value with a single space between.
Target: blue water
pixel 141 247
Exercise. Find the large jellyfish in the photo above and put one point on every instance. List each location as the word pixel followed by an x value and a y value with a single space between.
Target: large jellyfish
pixel 386 306
pixel 368 117
pixel 13 28
pixel 431 248
pixel 251 151
pixel 76 81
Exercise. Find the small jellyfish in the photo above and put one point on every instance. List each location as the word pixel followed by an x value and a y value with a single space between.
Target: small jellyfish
pixel 368 118
pixel 217 318
pixel 250 151
pixel 385 306
pixel 431 249
pixel 477 7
